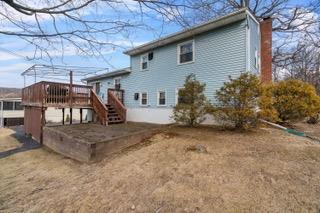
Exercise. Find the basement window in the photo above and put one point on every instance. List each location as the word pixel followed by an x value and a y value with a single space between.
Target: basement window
pixel 144 99
pixel 186 52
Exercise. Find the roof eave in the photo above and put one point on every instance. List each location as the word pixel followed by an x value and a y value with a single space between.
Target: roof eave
pixel 222 21
pixel 106 75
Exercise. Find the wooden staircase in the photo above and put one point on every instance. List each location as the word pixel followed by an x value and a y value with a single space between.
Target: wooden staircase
pixel 113 116
pixel 112 113
pixel 117 113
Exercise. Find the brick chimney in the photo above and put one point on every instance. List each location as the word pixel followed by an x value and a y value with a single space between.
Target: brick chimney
pixel 266 50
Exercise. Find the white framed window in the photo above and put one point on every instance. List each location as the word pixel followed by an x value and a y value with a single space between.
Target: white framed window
pixel 162 98
pixel 117 83
pixel 144 62
pixel 18 106
pixel 8 105
pixel 185 52
pixel 97 87
pixel 144 99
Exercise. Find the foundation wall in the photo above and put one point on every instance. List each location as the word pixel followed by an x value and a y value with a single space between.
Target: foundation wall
pixel 90 152
pixel 66 145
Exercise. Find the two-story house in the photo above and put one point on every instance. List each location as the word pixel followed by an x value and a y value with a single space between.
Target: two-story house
pixel 226 46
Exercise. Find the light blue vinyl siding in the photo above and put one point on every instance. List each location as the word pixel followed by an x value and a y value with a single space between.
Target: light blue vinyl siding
pixel 107 83
pixel 218 54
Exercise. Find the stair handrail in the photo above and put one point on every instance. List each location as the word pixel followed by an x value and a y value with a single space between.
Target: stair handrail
pixel 100 108
pixel 118 105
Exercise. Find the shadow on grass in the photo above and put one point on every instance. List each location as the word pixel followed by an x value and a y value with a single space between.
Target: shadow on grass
pixel 27 143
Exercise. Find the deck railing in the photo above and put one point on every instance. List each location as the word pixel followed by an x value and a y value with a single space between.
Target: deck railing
pixel 118 105
pixel 100 109
pixel 51 94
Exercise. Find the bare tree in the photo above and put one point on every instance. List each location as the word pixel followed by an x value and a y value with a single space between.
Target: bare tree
pixel 88 26
pixel 56 27
pixel 84 26
pixel 302 62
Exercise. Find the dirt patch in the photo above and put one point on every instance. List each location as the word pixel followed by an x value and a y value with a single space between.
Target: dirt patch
pixel 264 170
pixel 93 133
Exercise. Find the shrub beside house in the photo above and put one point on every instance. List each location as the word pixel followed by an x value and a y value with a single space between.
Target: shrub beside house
pixel 242 101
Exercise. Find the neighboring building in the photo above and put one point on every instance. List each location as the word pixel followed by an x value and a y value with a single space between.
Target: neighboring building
pixel 11 111
pixel 212 51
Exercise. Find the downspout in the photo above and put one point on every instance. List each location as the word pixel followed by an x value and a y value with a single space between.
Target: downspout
pixel 247 44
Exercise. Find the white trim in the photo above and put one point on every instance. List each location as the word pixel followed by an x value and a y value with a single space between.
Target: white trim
pixel 141 57
pixel 10 99
pixel 252 16
pixel 144 105
pixel 158 98
pixel 193 52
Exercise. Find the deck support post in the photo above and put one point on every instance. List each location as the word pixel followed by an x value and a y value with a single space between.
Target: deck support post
pixel 43 123
pixel 62 116
pixel 70 95
pixel 81 115
pixel 70 115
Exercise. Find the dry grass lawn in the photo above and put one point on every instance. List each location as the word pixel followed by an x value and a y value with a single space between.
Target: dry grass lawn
pixel 312 130
pixel 262 171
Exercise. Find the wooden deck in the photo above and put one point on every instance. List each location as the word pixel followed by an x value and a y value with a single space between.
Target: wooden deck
pixel 59 95
pixel 38 97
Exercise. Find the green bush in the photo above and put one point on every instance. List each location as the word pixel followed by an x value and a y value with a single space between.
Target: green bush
pixel 294 99
pixel 237 101
pixel 192 105
pixel 266 102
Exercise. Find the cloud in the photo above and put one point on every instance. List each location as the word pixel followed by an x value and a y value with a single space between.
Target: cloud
pixel 4 56
pixel 10 75
pixel 14 68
